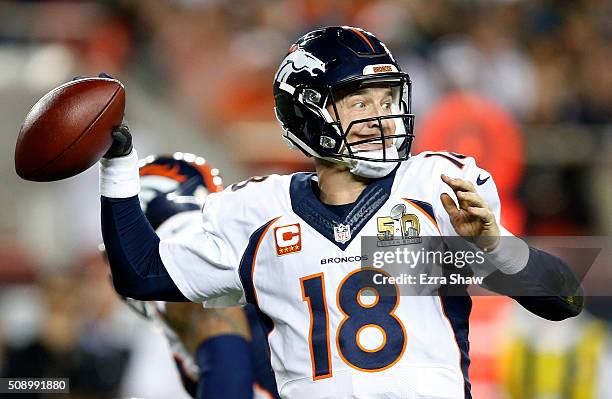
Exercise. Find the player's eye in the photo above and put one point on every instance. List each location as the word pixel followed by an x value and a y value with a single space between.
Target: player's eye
pixel 359 104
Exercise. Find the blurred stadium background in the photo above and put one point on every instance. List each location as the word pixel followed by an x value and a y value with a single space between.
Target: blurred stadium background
pixel 524 85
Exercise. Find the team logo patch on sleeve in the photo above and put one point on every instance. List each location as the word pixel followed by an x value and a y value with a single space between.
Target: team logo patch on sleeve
pixel 288 239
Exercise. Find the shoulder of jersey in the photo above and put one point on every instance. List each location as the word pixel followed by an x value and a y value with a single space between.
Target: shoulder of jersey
pixel 256 195
pixel 434 163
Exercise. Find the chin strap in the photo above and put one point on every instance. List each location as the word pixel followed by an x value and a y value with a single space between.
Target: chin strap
pixel 369 169
pixel 374 169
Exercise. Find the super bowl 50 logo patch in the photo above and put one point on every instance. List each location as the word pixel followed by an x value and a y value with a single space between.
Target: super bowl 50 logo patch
pixel 288 239
pixel 399 228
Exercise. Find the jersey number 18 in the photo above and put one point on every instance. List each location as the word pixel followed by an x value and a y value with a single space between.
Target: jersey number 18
pixel 358 315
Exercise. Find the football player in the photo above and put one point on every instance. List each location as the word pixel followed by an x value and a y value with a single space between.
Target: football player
pixel 230 349
pixel 292 245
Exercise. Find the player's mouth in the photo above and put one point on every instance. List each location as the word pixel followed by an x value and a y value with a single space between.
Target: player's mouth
pixel 375 145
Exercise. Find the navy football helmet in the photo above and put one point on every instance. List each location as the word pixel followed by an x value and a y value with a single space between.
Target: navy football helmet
pixel 322 66
pixel 174 184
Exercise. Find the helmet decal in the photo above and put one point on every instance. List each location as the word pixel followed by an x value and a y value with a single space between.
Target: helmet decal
pixel 298 61
pixel 363 37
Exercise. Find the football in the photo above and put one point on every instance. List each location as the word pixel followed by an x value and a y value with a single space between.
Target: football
pixel 69 129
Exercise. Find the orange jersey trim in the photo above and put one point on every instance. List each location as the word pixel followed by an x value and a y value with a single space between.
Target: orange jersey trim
pixel 432 220
pixel 255 257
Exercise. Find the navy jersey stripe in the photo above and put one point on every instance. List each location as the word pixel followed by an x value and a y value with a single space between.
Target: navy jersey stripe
pixel 245 269
pixel 457 310
pixel 257 319
pixel 454 161
pixel 426 206
pixel 260 349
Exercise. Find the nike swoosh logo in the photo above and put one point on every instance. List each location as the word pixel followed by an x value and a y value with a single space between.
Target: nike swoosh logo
pixel 480 181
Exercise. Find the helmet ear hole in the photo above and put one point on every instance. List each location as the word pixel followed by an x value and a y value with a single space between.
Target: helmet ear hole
pixel 327 142
pixel 312 97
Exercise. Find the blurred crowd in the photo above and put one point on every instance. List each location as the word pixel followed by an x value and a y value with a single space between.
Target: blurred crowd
pixel 542 68
pixel 547 63
pixel 66 327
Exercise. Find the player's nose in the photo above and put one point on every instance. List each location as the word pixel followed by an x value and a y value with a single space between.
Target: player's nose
pixel 386 124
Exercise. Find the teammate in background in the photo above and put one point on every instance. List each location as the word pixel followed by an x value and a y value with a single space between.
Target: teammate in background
pixel 333 331
pixel 230 359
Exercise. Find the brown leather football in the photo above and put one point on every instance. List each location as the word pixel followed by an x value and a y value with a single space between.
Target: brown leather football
pixel 69 129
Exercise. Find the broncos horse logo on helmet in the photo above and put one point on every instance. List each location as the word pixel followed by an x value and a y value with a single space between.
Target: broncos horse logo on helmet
pixel 175 183
pixel 319 68
pixel 299 60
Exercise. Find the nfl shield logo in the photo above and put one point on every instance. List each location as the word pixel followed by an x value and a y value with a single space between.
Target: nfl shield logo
pixel 342 233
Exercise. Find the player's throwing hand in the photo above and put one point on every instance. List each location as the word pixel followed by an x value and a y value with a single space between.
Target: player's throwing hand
pixel 474 218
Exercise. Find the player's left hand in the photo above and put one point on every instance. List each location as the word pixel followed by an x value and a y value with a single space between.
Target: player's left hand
pixel 473 219
pixel 122 141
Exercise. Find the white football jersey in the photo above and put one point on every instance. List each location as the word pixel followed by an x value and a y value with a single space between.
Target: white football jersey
pixel 270 241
